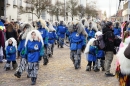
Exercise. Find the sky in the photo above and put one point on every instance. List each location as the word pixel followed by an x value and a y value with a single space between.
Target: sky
pixel 104 5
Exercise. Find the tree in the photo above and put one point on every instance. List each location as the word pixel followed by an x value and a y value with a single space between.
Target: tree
pixel 35 7
pixel 56 9
pixel 91 9
pixel 72 8
pixel 81 11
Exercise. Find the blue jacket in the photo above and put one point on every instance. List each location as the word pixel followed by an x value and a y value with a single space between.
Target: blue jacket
pixel 11 53
pixel 33 51
pixel 86 29
pixel 44 34
pixel 77 41
pixel 52 37
pixel 92 53
pixel 21 45
pixel 117 31
pixel 91 34
pixel 100 54
pixel 61 30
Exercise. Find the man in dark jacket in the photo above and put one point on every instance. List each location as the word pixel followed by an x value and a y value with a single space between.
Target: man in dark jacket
pixel 109 41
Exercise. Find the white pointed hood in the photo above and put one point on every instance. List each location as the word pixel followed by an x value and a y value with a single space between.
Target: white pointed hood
pixel 38 37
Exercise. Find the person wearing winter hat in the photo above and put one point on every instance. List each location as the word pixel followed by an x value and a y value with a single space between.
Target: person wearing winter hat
pixel 109 48
pixel 33 51
pixel 11 48
pixel 25 28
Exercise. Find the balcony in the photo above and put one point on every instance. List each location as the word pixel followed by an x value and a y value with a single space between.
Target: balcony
pixel 126 12
pixel 14 3
pixel 7 3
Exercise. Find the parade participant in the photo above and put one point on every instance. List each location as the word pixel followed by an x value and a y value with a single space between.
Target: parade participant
pixel 77 38
pixel 61 30
pixel 51 39
pixel 11 48
pixel 43 29
pixel 123 70
pixel 86 25
pixel 117 29
pixel 67 35
pixel 92 30
pixel 55 25
pixel 100 53
pixel 90 52
pixel 25 28
pixel 33 51
pixel 109 49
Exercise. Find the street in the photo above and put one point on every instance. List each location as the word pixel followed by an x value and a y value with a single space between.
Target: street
pixel 60 72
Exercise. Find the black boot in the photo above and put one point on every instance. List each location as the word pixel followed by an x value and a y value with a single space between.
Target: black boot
pixel 79 63
pixel 45 61
pixel 14 65
pixel 96 69
pixel 33 79
pixel 17 74
pixel 76 64
pixel 102 65
pixel 58 45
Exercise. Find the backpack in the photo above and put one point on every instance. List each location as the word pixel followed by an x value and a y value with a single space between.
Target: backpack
pixel 101 42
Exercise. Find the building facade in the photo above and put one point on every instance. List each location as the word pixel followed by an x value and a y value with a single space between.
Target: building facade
pixel 126 10
pixel 10 9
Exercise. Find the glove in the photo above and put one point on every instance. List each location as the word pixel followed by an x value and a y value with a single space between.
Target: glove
pixel 83 48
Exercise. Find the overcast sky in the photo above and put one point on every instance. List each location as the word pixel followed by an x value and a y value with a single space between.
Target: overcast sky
pixel 104 5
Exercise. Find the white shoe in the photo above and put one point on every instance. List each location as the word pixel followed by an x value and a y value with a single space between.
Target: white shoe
pixel 4 60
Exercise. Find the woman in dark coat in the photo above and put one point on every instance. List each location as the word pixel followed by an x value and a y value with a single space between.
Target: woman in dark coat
pixel 10 32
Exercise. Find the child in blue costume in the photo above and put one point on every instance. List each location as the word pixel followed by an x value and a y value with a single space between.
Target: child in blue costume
pixel 33 52
pixel 77 43
pixel 61 30
pixel 91 51
pixel 100 53
pixel 117 29
pixel 43 29
pixel 51 39
pixel 11 53
pixel 23 61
